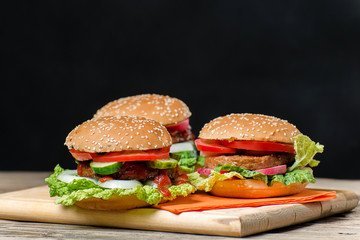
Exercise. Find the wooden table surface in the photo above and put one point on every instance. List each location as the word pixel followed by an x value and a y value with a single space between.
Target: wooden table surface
pixel 341 226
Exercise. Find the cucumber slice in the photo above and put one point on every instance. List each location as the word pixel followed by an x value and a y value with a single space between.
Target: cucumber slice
pixel 184 154
pixel 187 169
pixel 183 146
pixel 105 168
pixel 163 163
pixel 70 175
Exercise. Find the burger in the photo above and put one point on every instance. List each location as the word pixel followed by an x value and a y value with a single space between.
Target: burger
pixel 254 156
pixel 171 112
pixel 122 163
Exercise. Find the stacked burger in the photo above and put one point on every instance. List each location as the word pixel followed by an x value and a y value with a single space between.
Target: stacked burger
pixel 123 162
pixel 171 112
pixel 254 156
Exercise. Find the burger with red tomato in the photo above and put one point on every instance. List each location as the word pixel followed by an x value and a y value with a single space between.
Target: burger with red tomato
pixel 171 112
pixel 254 156
pixel 122 162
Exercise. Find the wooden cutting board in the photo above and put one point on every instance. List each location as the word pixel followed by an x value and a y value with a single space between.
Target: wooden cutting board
pixel 35 205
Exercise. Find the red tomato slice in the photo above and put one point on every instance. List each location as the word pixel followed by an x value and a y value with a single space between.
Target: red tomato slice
pixel 182 126
pixel 121 156
pixel 260 146
pixel 212 146
pixel 80 156
pixel 124 157
pixel 210 154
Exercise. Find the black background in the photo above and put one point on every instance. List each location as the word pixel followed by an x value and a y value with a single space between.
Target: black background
pixel 297 60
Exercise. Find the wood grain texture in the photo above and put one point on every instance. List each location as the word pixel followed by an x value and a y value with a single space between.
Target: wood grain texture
pixel 26 230
pixel 34 204
pixel 340 226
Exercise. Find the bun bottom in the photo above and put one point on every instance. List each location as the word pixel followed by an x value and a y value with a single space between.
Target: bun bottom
pixel 113 203
pixel 250 188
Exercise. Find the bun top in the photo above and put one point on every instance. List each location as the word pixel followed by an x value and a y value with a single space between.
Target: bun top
pixel 118 133
pixel 164 109
pixel 250 127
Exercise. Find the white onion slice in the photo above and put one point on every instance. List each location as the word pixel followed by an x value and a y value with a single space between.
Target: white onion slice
pixel 70 175
pixel 124 184
pixel 183 146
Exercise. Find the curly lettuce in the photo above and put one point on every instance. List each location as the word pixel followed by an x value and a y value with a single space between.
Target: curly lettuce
pixel 305 151
pixel 206 183
pixel 80 189
pixel 187 160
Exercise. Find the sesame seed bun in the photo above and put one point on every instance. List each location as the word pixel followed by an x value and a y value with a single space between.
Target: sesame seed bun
pixel 251 188
pixel 118 133
pixel 247 126
pixel 113 203
pixel 164 109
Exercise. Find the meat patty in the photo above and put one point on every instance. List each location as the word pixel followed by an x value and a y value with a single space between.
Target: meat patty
pixel 250 162
pixel 84 169
pixel 129 171
pixel 183 136
pixel 139 171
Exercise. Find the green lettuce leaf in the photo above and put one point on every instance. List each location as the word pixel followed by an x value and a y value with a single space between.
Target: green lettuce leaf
pixel 200 161
pixel 188 160
pixel 183 154
pixel 146 193
pixel 206 184
pixel 243 172
pixel 187 164
pixel 305 151
pixel 59 188
pixel 80 189
pixel 297 176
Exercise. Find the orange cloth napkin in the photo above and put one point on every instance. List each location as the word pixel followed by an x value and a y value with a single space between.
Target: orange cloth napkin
pixel 204 201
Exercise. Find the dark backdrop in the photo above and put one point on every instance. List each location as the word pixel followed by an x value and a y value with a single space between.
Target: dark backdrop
pixel 298 60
